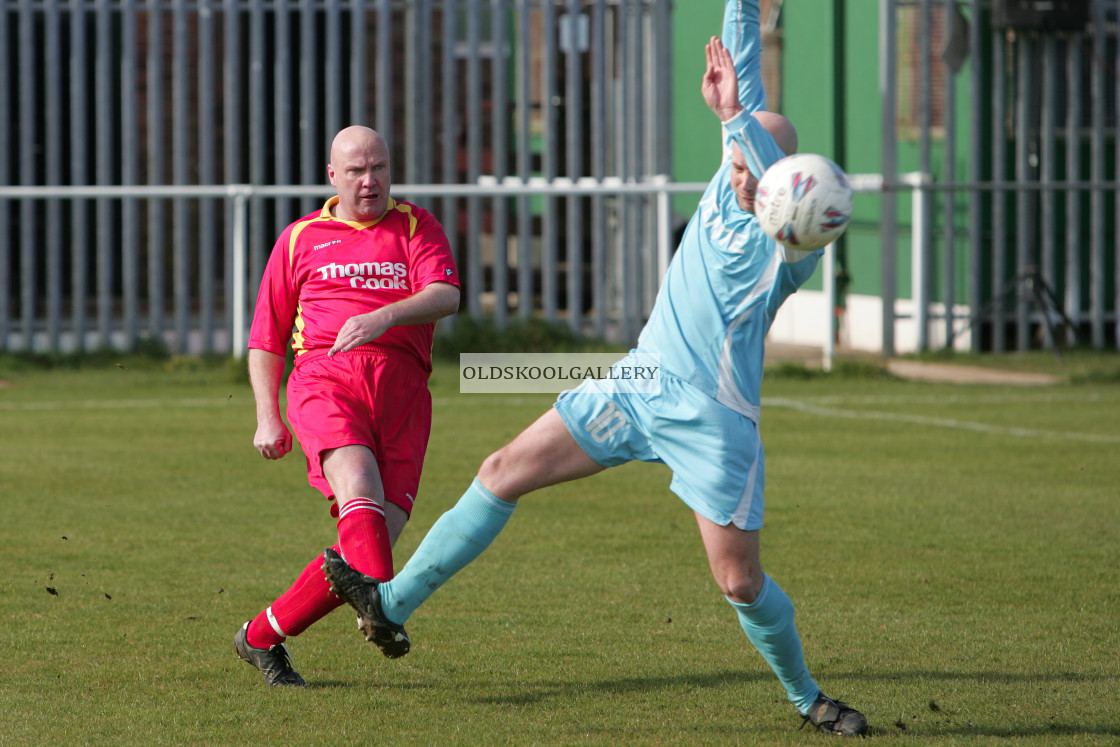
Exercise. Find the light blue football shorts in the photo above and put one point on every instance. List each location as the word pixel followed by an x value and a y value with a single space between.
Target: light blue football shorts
pixel 714 452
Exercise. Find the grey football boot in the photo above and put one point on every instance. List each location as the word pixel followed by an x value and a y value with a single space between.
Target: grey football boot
pixel 833 717
pixel 275 663
pixel 360 592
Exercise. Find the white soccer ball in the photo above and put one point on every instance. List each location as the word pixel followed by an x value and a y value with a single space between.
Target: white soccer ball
pixel 803 201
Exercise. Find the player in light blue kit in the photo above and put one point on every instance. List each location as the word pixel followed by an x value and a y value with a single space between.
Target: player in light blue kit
pixel 708 327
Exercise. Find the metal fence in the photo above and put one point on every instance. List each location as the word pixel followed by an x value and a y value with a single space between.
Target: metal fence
pixel 126 119
pixel 538 132
pixel 1019 210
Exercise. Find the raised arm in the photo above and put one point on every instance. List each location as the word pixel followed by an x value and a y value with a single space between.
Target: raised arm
pixel 742 37
pixel 741 126
pixel 720 87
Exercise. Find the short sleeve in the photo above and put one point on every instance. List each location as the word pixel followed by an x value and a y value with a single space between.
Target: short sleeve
pixel 277 298
pixel 430 256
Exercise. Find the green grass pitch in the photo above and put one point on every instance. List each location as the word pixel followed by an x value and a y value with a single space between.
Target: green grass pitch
pixel 952 551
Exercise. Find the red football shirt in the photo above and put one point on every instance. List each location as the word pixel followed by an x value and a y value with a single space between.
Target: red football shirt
pixel 323 270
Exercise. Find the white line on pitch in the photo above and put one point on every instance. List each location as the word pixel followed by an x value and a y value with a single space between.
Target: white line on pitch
pixel 967 399
pixel 964 425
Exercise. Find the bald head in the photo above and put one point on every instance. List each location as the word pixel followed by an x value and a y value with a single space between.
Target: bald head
pixel 359 169
pixel 743 182
pixel 354 138
pixel 780 128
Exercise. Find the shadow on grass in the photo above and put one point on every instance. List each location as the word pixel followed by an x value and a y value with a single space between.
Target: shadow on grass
pixel 351 684
pixel 939 722
pixel 530 692
pixel 523 693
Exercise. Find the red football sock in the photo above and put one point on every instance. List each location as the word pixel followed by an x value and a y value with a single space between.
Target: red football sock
pixel 364 538
pixel 308 600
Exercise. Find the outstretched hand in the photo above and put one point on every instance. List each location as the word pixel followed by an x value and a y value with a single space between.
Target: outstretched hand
pixel 720 85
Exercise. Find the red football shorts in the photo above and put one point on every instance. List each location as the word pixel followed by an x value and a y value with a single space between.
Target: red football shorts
pixel 369 398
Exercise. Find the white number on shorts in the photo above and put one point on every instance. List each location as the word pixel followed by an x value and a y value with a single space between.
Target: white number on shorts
pixel 606 424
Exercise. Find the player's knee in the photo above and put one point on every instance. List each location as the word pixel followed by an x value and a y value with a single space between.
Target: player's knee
pixel 492 467
pixel 494 474
pixel 740 585
pixel 506 475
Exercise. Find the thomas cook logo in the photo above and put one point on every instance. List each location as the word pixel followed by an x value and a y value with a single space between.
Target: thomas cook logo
pixel 369 275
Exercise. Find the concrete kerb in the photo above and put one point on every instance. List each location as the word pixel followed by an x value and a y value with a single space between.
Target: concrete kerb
pixel 811 356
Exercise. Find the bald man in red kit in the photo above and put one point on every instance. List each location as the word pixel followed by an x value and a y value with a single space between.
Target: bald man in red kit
pixel 361 282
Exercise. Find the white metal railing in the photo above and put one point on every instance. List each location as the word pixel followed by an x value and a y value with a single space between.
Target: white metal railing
pixel 660 187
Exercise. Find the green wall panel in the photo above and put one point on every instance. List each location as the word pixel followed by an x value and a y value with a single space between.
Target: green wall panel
pixel 696 146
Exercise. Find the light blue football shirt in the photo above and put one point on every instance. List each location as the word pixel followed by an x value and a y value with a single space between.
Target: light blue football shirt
pixel 728 278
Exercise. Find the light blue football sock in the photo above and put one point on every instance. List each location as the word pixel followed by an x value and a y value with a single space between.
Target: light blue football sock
pixel 768 623
pixel 457 538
